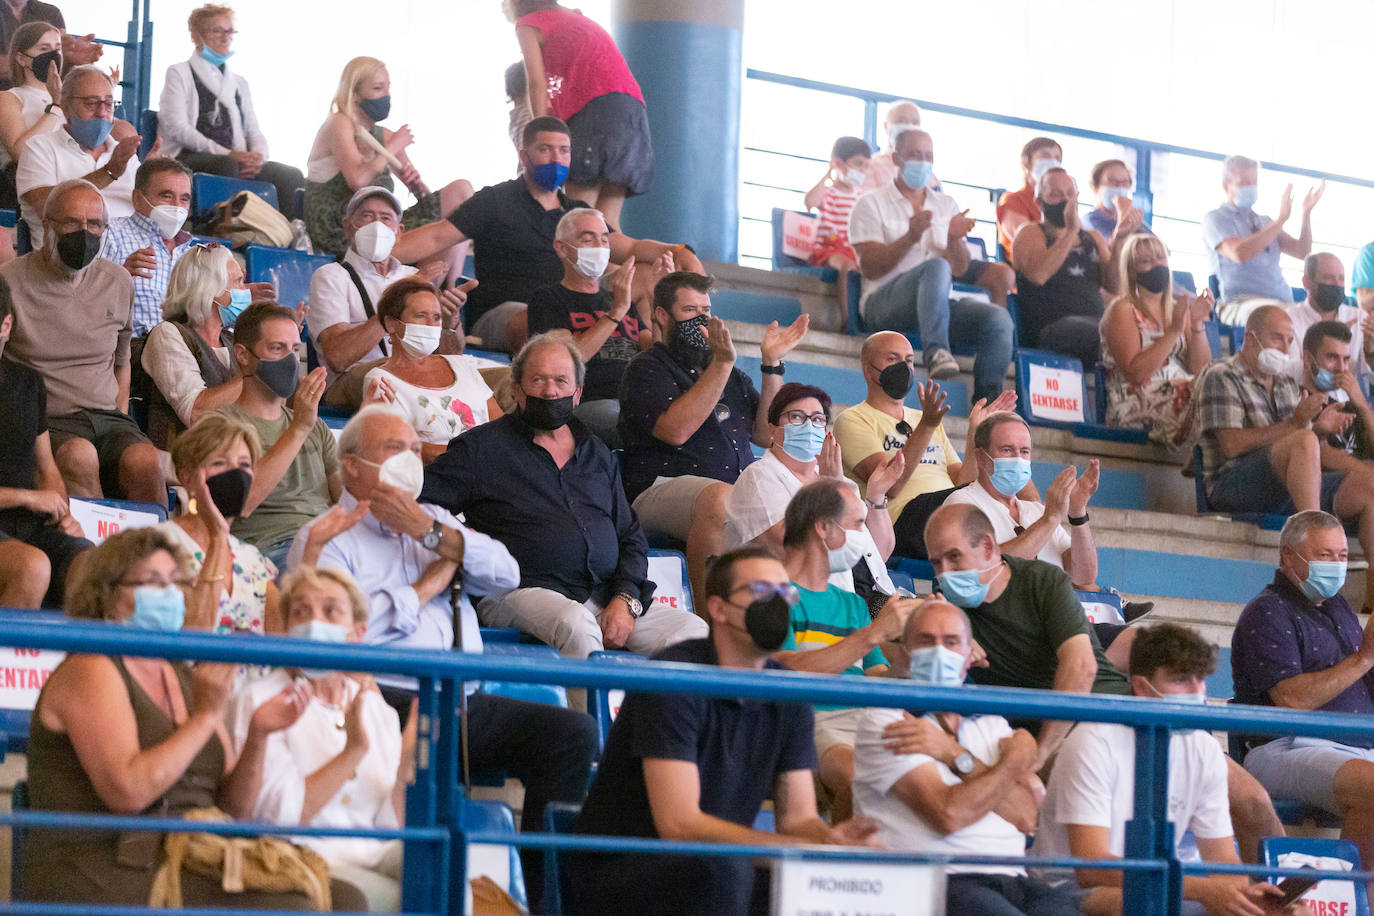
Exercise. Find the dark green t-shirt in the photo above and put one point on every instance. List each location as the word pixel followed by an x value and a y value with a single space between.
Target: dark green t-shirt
pixel 1022 630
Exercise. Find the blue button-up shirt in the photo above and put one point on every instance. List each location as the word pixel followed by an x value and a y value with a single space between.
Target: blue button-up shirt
pixel 386 563
pixel 128 234
pixel 1259 276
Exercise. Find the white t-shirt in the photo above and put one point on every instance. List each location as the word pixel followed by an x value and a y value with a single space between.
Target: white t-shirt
pixel 1304 316
pixel 1093 784
pixel 758 501
pixel 51 158
pixel 439 414
pixel 877 770
pixel 884 216
pixel 334 297
pixel 1004 529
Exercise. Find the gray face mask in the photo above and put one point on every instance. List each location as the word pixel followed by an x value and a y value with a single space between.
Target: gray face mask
pixel 280 375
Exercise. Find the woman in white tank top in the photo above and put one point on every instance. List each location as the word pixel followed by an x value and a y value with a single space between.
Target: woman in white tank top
pixel 24 109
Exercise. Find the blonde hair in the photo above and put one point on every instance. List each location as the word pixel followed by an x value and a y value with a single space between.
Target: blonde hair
pixel 91 592
pixel 210 435
pixel 354 72
pixel 1130 286
pixel 198 276
pixel 25 37
pixel 200 18
pixel 314 577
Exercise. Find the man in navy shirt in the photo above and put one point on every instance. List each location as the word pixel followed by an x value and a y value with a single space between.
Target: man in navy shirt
pixel 540 483
pixel 1298 644
pixel 694 768
pixel 688 417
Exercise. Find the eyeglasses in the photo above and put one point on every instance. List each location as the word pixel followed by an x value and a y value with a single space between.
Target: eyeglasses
pixel 762 590
pixel 798 417
pixel 73 224
pixel 221 33
pixel 96 102
pixel 179 582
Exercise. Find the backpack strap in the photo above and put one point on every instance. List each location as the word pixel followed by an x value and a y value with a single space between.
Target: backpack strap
pixel 367 300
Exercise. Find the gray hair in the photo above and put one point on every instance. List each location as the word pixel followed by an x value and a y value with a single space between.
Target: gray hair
pixel 1231 166
pixel 75 74
pixel 351 436
pixel 517 365
pixel 1300 524
pixel 198 276
pixel 565 230
pixel 927 605
pixel 64 188
pixel 982 436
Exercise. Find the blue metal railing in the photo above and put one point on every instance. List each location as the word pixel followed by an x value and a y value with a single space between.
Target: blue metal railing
pixel 434 876
pixel 136 68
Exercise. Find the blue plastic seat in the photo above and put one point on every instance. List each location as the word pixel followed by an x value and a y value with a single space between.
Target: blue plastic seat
pixel 1184 279
pixel 1025 359
pixel 1273 847
pixel 495 816
pixel 499 634
pixel 147 133
pixel 604 702
pixel 785 262
pixel 208 190
pixel 755 308
pixel 289 269
pixel 553 694
pixel 9 218
pixel 1269 521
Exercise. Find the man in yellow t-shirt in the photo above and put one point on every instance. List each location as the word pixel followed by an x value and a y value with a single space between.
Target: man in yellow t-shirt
pixel 874 431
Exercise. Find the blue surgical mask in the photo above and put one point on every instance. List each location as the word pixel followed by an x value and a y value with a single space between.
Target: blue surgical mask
pixel 936 666
pixel 549 175
pixel 962 588
pixel 160 608
pixel 1324 379
pixel 1192 699
pixel 319 631
pixel 1110 194
pixel 802 441
pixel 1246 195
pixel 916 173
pixel 239 299
pixel 1040 166
pixel 1010 475
pixel 214 57
pixel 1324 579
pixel 89 132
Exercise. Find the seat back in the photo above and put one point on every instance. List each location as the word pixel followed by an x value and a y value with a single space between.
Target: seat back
pixel 19 801
pixel 603 703
pixel 668 571
pixel 288 269
pixel 500 863
pixel 1101 607
pixel 1330 896
pixel 1184 279
pixel 977 248
pixel 208 190
pixel 559 817
pixel 1212 328
pixel 101 518
pixel 553 694
pixel 147 133
pixel 1049 388
pixel 793 233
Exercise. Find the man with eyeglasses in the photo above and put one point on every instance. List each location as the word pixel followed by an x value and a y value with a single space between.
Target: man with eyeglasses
pixel 696 769
pixel 86 147
pixel 73 318
pixel 149 241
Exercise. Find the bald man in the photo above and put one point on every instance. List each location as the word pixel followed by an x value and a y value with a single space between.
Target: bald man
pixel 1323 277
pixel 1261 436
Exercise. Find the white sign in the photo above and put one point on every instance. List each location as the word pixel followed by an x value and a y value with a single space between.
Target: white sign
pixel 1056 394
pixel 1327 898
pixel 798 234
pixel 814 888
pixel 491 861
pixel 23 672
pixel 1101 607
pixel 670 588
pixel 100 521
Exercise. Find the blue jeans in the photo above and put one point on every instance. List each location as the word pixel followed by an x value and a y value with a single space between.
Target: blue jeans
pixel 919 299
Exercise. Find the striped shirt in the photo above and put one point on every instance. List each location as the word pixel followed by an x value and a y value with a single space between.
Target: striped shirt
pixel 834 213
pixel 127 234
pixel 1232 398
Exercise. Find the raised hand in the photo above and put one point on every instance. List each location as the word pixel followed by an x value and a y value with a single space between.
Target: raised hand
pixel 283 710
pixel 960 226
pixel 400 138
pixel 1286 205
pixel 1072 222
pixel 451 302
pixel 934 403
pixel 621 286
pixel 306 406
pixel 1057 496
pixel 1084 488
pixel 718 337
pixel 829 463
pixel 919 223
pixel 263 290
pixel 211 684
pixel 124 151
pixel 886 475
pixel 1307 409
pixel 355 728
pixel 302 311
pixel 329 526
pixel 1314 196
pixel 778 342
pixel 203 506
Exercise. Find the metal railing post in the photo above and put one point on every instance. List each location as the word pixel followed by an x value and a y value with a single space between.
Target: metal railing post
pixel 871 123
pixel 423 886
pixel 1149 835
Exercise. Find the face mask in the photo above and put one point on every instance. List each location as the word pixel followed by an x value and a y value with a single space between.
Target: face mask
pixel 1324 379
pixel 802 441
pixel 936 666
pixel 855 177
pixel 1010 475
pixel 168 219
pixel 160 608
pixel 962 588
pixel 896 380
pixel 1109 195
pixel 549 175
pixel 1246 195
pixel 403 470
pixel 547 414
pixel 1329 297
pixel 688 343
pixel 319 631
pixel 376 109
pixel 1324 579
pixel 279 375
pixel 228 490
pixel 1272 361
pixel 420 340
pixel 591 262
pixel 916 173
pixel 1054 213
pixel 768 622
pixel 214 57
pixel 89 132
pixel 374 241
pixel 1040 166
pixel 239 299
pixel 78 248
pixel 847 555
pixel 1156 279
pixel 43 63
pixel 1193 699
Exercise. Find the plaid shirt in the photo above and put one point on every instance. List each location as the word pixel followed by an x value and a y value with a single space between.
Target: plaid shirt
pixel 127 234
pixel 1232 398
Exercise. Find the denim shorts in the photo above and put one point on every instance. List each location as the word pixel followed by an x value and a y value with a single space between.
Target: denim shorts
pixel 1249 484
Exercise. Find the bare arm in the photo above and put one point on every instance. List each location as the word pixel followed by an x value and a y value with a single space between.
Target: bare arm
pixel 342 344
pixel 877 258
pixel 952 808
pixel 811 200
pixel 214 398
pixel 536 80
pixel 12 131
pixel 1240 440
pixel 1317 688
pixel 1075 673
pixel 1037 261
pixel 427 241
pixel 122 388
pixel 674 790
pixel 340 137
pixel 1244 249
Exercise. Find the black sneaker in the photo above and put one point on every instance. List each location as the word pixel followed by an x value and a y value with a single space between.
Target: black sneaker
pixel 1132 611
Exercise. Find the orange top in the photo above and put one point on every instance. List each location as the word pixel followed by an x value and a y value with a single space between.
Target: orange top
pixel 1022 202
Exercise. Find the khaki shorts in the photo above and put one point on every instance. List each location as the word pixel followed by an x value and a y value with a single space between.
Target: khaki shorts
pixel 668 504
pixel 836 727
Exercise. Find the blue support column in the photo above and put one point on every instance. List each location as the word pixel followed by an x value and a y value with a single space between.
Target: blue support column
pixel 422 885
pixel 1149 835
pixel 687 57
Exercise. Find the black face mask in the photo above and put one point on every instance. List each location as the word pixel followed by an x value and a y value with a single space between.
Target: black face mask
pixel 376 109
pixel 688 343
pixel 228 490
pixel 547 413
pixel 1156 279
pixel 44 62
pixel 1329 297
pixel 77 249
pixel 768 622
pixel 896 380
pixel 1054 213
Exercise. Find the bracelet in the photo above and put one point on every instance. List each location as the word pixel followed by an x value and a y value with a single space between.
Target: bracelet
pixel 873 505
pixel 1079 521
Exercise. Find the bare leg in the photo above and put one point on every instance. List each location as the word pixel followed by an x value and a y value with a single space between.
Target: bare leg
pixel 140 474
pixel 706 537
pixel 1296 459
pixel 610 199
pixel 1354 790
pixel 517 331
pixel 80 468
pixel 1252 813
pixel 24 575
pixel 452 195
pixel 1355 499
pixel 1119 652
pixel 999 280
pixel 589 194
pixel 836 771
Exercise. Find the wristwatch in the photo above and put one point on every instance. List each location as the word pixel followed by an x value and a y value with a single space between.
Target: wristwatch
pixel 963 764
pixel 1078 520
pixel 431 539
pixel 636 606
pixel 779 369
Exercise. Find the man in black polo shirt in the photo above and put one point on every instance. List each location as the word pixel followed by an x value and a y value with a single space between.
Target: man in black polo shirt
pixel 688 417
pixel 693 768
pixel 512 226
pixel 538 482
pixel 39 539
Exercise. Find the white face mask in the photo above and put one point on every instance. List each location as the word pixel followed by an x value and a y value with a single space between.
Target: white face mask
pixel 403 470
pixel 855 177
pixel 421 339
pixel 169 219
pixel 374 241
pixel 1040 166
pixel 1272 361
pixel 592 262
pixel 847 555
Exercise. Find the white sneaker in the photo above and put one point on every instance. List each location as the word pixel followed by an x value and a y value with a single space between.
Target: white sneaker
pixel 942 365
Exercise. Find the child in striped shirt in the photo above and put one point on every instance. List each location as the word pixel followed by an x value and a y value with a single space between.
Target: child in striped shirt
pixel 833 198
